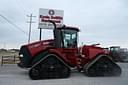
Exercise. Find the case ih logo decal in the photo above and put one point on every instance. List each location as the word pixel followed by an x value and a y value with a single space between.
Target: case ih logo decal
pixel 50 14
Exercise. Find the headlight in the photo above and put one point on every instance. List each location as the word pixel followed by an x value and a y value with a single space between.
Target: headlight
pixel 21 55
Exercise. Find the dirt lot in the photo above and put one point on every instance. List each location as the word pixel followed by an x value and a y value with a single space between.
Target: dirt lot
pixel 13 75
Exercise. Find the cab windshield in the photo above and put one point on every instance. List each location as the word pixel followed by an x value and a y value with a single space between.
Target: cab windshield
pixel 69 38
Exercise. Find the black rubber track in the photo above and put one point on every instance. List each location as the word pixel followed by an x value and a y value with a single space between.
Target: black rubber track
pixel 34 73
pixel 102 66
pixel 49 68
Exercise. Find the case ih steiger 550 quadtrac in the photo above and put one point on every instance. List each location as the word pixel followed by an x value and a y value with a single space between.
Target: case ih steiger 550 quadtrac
pixel 55 58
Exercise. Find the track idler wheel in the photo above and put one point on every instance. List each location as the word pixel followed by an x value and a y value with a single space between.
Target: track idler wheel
pixel 102 66
pixel 34 73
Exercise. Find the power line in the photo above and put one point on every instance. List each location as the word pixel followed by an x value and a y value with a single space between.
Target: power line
pixel 13 24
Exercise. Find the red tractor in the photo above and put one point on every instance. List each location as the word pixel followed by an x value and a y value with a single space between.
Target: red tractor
pixel 56 58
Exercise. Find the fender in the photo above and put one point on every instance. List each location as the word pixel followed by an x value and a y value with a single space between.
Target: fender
pixel 50 54
pixel 47 51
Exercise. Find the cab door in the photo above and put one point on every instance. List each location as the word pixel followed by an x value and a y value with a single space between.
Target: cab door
pixel 69 40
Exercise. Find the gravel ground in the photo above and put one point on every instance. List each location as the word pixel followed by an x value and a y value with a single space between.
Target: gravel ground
pixel 13 75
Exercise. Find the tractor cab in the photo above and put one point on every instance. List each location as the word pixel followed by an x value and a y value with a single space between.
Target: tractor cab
pixel 115 48
pixel 66 37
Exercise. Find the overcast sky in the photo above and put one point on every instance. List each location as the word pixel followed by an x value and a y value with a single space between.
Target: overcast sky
pixel 100 21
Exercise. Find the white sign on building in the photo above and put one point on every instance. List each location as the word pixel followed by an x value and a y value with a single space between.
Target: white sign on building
pixel 50 14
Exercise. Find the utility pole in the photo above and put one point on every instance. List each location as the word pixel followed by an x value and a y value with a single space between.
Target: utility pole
pixel 40 33
pixel 30 23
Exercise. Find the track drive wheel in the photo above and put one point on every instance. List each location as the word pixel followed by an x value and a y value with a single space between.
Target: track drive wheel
pixel 102 66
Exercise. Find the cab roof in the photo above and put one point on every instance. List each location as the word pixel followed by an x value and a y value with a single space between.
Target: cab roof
pixel 69 27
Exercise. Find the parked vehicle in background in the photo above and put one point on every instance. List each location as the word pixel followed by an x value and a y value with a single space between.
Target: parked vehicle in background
pixel 119 54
